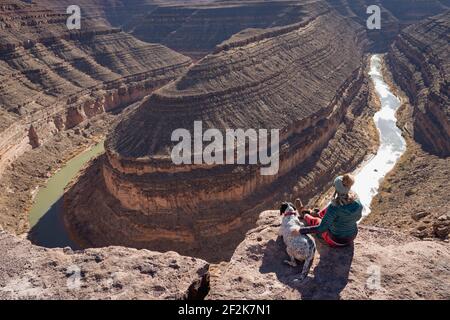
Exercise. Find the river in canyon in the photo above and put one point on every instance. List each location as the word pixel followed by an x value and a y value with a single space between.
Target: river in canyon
pixel 392 144
pixel 47 228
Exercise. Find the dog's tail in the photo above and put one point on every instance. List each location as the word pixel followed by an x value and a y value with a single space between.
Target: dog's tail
pixel 309 261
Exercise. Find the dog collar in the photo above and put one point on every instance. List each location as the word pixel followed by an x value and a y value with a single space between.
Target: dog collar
pixel 290 213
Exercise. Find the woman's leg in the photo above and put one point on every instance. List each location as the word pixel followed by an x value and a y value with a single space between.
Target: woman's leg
pixel 315 221
pixel 323 212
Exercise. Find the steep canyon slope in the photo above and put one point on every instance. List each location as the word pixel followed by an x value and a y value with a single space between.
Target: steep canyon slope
pixel 420 63
pixel 395 16
pixel 53 79
pixel 320 109
pixel 196 27
pixel 192 27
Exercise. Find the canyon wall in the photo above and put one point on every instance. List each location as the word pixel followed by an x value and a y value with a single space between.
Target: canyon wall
pixel 53 79
pixel 117 13
pixel 319 108
pixel 192 27
pixel 196 27
pixel 414 196
pixel 419 60
pixel 395 15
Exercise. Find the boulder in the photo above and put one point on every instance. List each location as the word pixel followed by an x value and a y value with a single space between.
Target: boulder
pixel 441 227
pixel 419 215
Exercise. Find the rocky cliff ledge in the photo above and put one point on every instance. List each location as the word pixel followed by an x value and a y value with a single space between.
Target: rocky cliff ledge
pixel 53 79
pixel 31 272
pixel 419 60
pixel 319 110
pixel 408 268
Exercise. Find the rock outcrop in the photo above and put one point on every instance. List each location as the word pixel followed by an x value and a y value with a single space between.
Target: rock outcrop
pixel 31 272
pixel 53 79
pixel 407 268
pixel 419 60
pixel 319 110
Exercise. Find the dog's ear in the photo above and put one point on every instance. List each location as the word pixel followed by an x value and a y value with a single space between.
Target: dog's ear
pixel 283 208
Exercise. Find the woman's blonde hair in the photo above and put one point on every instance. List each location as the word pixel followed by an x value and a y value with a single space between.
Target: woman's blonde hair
pixel 348 180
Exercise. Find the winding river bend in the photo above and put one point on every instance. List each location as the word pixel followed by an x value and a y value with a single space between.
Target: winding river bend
pixel 48 230
pixel 392 145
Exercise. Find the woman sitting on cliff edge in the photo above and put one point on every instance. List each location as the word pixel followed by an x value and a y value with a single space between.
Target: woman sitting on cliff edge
pixel 337 223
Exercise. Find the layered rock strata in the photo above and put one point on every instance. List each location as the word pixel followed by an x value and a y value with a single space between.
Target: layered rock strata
pixel 382 264
pixel 419 60
pixel 118 13
pixel 30 272
pixel 53 79
pixel 395 15
pixel 196 27
pixel 152 203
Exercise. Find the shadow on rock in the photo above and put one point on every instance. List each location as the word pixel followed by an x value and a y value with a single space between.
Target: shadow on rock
pixel 330 273
pixel 50 231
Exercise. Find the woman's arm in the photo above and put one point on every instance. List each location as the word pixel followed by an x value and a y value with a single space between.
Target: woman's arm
pixel 327 220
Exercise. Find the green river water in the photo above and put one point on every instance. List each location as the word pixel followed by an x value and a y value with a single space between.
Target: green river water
pixel 46 224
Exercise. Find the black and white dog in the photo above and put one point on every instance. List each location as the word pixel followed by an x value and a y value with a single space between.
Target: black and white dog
pixel 299 247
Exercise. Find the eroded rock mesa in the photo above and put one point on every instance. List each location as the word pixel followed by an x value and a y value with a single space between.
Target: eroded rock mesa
pixel 196 209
